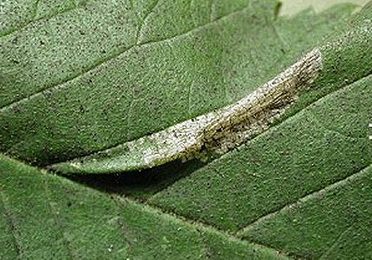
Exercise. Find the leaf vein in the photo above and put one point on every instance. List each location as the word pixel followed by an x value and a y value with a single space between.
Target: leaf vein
pixel 144 21
pixel 56 218
pixel 32 20
pixel 62 85
pixel 305 198
pixel 335 242
pixel 197 224
pixel 12 225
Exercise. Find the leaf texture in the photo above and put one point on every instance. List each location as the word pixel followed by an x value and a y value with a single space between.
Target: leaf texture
pixel 80 77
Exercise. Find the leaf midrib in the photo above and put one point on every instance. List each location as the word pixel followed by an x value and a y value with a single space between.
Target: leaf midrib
pixel 156 210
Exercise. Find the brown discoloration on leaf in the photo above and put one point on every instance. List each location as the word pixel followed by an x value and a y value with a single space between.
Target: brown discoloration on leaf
pixel 217 131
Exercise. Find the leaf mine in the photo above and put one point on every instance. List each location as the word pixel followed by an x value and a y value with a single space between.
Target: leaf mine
pixel 218 131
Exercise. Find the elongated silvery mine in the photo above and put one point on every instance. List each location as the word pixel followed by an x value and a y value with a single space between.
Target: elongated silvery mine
pixel 217 131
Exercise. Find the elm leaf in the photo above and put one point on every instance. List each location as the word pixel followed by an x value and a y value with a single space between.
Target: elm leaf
pixel 280 168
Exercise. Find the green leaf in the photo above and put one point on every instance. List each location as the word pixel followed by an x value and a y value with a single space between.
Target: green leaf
pixel 44 216
pixel 305 153
pixel 220 130
pixel 183 140
pixel 343 231
pixel 81 79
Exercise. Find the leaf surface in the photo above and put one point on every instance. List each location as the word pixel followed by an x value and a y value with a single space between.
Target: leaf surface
pixel 106 73
pixel 80 77
pixel 65 220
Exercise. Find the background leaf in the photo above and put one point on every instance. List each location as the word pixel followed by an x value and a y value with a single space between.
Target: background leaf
pixel 78 77
pixel 70 221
